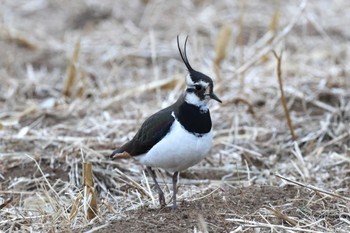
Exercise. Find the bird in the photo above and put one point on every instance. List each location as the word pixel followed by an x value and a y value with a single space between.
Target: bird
pixel 179 136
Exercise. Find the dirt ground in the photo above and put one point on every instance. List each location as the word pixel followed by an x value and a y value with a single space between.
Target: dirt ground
pixel 77 78
pixel 209 213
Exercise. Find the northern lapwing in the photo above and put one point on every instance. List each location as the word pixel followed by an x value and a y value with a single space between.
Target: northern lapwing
pixel 179 136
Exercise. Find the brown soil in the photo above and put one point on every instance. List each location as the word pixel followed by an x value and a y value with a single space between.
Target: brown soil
pixel 208 213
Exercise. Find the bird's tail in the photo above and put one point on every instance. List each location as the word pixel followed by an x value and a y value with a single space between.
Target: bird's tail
pixel 120 154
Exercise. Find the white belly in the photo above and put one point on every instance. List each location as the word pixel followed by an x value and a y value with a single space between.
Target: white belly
pixel 178 150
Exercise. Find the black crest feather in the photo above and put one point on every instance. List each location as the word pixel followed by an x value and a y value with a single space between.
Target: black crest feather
pixel 195 75
pixel 184 54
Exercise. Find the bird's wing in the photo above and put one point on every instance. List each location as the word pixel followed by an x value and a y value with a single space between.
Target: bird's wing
pixel 150 133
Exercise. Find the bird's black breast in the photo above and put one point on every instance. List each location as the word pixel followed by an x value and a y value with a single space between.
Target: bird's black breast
pixel 193 119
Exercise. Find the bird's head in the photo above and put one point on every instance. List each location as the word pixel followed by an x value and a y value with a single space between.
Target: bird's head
pixel 199 87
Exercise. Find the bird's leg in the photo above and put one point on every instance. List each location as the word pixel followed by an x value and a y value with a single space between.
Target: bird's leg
pixel 175 175
pixel 160 192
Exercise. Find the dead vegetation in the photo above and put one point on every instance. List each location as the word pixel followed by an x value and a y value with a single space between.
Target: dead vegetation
pixel 78 77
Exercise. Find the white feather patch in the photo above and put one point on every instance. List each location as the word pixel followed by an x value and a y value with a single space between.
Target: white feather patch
pixel 192 98
pixel 178 150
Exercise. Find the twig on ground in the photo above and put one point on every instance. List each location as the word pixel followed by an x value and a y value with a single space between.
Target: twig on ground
pixel 282 216
pixel 314 188
pixel 254 224
pixel 283 98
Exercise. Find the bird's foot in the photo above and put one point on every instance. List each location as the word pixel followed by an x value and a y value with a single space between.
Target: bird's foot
pixel 174 207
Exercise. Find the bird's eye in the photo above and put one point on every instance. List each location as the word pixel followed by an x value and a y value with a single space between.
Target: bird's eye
pixel 198 87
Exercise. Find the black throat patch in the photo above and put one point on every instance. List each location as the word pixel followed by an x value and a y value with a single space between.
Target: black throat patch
pixel 193 119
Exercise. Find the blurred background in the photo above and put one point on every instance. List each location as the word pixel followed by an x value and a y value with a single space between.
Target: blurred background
pixel 77 78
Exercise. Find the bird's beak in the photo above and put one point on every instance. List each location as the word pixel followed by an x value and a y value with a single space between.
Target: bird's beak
pixel 214 97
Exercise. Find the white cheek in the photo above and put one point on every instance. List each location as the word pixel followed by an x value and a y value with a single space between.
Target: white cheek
pixel 192 98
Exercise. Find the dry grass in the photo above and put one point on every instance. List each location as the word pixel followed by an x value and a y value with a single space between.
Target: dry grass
pixel 63 102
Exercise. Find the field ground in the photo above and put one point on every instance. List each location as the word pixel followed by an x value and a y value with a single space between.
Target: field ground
pixel 77 78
